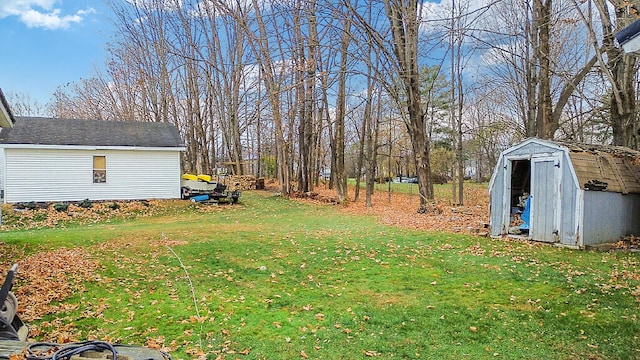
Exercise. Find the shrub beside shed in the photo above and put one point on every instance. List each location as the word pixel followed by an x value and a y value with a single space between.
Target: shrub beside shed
pixel 580 195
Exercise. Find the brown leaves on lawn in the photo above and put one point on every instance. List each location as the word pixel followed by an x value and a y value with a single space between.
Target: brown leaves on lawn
pixel 628 243
pixel 46 278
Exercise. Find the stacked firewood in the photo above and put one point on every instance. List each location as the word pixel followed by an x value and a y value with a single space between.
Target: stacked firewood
pixel 240 182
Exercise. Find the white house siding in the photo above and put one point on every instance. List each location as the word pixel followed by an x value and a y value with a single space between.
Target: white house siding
pixel 49 175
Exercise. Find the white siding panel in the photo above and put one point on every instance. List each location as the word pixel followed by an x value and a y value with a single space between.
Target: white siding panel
pixel 67 175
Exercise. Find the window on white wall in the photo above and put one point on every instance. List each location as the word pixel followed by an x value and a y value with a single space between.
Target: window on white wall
pixel 99 169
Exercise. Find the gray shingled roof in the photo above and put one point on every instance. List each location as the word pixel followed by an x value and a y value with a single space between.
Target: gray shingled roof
pixel 50 131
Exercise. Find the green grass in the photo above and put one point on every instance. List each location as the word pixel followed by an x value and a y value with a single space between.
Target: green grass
pixel 338 286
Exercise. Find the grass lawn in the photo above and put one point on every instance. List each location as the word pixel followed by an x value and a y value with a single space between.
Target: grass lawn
pixel 272 278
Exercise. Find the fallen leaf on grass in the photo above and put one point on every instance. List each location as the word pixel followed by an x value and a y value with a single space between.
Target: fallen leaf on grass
pixel 195 352
pixel 156 343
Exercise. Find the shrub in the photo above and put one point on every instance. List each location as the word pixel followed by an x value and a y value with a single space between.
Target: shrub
pixel 86 203
pixel 60 207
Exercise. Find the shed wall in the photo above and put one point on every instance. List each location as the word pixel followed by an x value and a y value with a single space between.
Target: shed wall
pixel 67 175
pixel 608 216
pixel 569 190
pixel 496 194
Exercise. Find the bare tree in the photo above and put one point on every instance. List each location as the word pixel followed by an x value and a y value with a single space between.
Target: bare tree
pixel 400 56
pixel 270 74
pixel 536 60
pixel 619 69
pixel 339 140
pixel 23 105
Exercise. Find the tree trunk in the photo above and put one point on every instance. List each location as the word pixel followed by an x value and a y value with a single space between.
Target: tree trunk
pixel 404 19
pixel 545 128
pixel 338 143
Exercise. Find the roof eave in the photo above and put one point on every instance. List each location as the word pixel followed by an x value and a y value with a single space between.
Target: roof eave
pixel 6 117
pixel 91 147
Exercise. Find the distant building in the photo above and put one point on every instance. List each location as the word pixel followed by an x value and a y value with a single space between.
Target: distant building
pixel 55 160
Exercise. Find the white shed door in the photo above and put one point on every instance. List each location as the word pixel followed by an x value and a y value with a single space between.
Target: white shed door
pixel 544 199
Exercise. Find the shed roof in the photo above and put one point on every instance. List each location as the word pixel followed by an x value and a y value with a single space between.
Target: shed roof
pixel 606 168
pixel 75 132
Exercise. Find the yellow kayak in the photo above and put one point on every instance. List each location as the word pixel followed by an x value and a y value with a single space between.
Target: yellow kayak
pixel 189 177
pixel 205 178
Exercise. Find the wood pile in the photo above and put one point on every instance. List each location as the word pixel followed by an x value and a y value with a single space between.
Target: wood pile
pixel 239 182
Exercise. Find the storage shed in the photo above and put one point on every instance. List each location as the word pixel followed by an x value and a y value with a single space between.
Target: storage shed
pixel 579 195
pixel 51 160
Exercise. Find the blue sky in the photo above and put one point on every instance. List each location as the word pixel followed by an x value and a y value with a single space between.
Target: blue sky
pixel 47 43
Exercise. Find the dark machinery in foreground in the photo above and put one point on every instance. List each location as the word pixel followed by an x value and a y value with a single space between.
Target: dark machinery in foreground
pixel 14 345
pixel 11 327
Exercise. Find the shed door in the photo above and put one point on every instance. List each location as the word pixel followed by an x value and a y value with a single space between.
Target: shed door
pixel 545 196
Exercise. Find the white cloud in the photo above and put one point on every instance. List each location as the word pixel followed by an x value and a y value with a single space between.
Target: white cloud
pixel 169 5
pixel 436 15
pixel 41 13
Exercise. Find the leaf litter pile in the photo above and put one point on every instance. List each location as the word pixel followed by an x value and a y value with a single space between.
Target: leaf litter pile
pixel 45 279
pixel 400 209
pixel 34 216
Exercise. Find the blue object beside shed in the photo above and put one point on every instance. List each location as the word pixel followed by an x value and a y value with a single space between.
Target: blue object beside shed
pixel 580 195
pixel 200 198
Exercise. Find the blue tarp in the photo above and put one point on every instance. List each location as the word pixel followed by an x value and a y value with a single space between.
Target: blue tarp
pixel 525 215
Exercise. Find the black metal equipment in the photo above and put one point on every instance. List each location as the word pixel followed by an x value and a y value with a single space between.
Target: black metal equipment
pixel 11 327
pixel 13 338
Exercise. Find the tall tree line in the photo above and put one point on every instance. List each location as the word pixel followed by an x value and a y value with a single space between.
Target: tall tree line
pixel 291 88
